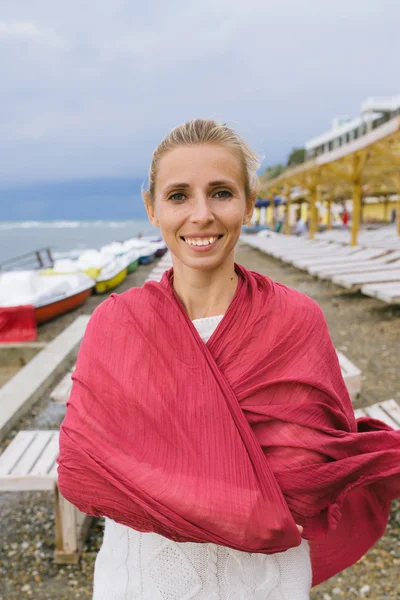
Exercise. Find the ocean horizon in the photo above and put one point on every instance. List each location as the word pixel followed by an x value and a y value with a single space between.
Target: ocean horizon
pixel 63 236
pixel 70 215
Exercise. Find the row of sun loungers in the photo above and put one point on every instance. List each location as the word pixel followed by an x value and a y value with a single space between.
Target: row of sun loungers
pixel 372 267
pixel 384 237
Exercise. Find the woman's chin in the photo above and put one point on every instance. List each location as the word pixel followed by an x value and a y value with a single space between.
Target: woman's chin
pixel 202 262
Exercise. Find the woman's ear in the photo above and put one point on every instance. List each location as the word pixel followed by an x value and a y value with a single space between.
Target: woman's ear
pixel 250 202
pixel 151 213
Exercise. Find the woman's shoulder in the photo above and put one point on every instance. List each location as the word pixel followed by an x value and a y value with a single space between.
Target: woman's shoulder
pixel 287 300
pixel 298 300
pixel 120 306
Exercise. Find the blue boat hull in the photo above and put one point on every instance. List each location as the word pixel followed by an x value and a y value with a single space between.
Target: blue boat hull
pixel 145 260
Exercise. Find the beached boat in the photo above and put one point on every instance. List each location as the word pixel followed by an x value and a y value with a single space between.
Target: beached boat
pixel 130 255
pixel 147 251
pixel 107 270
pixel 158 245
pixel 109 281
pixel 50 295
pixel 133 266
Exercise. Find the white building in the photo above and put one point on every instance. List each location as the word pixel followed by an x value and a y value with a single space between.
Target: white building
pixel 374 112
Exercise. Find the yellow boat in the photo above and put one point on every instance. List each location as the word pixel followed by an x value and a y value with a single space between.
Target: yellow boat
pixel 106 285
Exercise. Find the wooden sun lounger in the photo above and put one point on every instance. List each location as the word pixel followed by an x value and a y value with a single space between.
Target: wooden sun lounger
pixel 355 281
pixel 267 244
pixel 61 392
pixel 351 375
pixel 29 464
pixel 388 412
pixel 287 254
pixel 354 266
pixel 164 263
pixel 356 269
pixel 341 256
pixel 387 292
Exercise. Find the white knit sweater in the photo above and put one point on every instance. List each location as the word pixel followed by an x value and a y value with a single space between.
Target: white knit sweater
pixel 146 566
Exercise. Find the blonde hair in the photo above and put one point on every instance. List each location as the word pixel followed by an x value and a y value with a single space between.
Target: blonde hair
pixel 206 131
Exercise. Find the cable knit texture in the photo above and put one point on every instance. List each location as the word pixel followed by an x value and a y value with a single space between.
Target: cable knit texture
pixel 146 566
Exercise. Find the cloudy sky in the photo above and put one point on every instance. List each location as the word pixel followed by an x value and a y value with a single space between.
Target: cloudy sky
pixel 89 87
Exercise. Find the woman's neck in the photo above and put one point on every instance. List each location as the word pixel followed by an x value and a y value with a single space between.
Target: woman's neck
pixel 205 293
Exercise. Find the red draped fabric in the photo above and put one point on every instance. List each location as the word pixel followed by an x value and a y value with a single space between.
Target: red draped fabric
pixel 231 442
pixel 17 324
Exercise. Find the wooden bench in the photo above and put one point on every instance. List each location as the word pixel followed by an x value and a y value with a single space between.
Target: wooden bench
pixel 388 412
pixel 29 464
pixel 351 375
pixel 61 392
pixel 387 292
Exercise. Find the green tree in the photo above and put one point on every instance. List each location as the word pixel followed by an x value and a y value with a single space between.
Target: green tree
pixel 272 172
pixel 296 157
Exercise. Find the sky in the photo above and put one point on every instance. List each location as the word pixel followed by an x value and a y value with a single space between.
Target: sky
pixel 89 88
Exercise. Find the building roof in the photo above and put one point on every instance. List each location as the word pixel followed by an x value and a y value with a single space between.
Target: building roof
pixel 375 156
pixel 342 129
pixel 371 109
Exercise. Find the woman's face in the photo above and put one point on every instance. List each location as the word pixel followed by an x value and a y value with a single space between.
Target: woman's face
pixel 200 204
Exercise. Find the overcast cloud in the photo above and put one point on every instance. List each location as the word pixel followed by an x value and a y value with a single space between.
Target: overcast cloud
pixel 89 88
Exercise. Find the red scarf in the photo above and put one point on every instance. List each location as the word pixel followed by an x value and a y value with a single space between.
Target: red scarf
pixel 231 442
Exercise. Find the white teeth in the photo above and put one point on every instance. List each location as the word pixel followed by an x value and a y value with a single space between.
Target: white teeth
pixel 200 242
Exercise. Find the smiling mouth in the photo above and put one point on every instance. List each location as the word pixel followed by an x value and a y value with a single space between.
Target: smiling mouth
pixel 201 241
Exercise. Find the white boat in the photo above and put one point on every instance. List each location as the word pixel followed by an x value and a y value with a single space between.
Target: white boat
pixel 107 269
pixel 145 248
pixel 49 294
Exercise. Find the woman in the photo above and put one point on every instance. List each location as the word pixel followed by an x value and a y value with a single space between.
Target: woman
pixel 209 421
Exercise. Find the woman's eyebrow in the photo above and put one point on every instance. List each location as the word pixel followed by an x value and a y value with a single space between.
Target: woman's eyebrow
pixel 220 183
pixel 181 185
pixel 172 186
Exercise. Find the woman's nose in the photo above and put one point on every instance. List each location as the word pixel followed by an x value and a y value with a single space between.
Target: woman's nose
pixel 201 210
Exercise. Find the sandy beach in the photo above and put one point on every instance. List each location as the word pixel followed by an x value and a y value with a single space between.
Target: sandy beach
pixel 364 329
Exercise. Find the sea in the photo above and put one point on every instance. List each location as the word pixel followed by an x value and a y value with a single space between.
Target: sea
pixel 69 216
pixel 66 237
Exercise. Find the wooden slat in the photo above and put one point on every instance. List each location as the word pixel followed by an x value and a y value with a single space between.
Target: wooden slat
pixel 53 471
pixel 14 451
pixel 376 412
pixel 32 454
pixel 359 412
pixel 46 462
pixel 62 391
pixel 351 375
pixel 27 483
pixel 393 409
pixel 68 514
pixel 347 365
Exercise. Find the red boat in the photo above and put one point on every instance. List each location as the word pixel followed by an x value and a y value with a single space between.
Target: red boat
pixel 29 298
pixel 55 308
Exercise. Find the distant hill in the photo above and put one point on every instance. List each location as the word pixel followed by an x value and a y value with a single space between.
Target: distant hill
pixel 73 200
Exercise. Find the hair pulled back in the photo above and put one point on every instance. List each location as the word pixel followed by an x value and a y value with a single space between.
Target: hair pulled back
pixel 206 131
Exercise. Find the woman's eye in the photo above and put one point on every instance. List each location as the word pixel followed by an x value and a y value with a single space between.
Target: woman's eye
pixel 178 197
pixel 223 194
